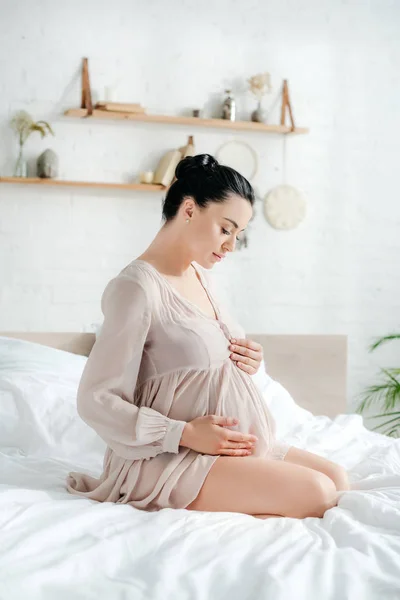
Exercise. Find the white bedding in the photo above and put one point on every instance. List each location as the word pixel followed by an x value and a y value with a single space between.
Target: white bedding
pixel 54 545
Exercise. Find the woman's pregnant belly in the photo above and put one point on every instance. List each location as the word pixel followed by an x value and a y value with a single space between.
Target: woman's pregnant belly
pixel 225 391
pixel 240 399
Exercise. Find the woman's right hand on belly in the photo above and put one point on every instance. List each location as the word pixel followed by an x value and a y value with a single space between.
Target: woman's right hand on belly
pixel 209 436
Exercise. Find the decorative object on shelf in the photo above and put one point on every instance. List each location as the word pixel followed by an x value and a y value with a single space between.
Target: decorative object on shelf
pixel 165 171
pixel 47 164
pixel 260 85
pixel 24 125
pixel 146 177
pixel 120 107
pixel 240 156
pixel 284 207
pixel 188 149
pixel 259 115
pixel 229 107
pixel 21 166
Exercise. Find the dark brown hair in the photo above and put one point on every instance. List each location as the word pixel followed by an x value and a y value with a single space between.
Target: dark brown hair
pixel 205 180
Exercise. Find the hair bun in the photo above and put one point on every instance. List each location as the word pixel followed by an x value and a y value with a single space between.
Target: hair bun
pixel 192 166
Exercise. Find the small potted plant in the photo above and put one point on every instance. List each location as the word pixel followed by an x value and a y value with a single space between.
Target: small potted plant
pixel 23 124
pixel 260 85
pixel 385 392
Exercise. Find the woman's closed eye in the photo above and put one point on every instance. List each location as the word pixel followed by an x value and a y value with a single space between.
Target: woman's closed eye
pixel 229 233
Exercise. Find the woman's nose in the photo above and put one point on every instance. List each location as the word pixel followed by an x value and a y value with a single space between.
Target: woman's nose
pixel 230 244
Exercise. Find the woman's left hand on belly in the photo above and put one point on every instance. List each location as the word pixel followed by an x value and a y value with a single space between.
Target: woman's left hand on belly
pixel 247 354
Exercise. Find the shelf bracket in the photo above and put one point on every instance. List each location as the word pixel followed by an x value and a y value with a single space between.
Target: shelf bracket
pixel 86 93
pixel 286 105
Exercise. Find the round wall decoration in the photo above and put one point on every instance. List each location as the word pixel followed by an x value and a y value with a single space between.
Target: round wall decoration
pixel 240 156
pixel 284 207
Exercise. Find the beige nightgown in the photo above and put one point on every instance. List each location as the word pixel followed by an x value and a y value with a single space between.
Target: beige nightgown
pixel 159 362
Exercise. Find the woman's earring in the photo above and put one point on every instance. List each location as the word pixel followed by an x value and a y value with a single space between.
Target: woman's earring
pixel 187 220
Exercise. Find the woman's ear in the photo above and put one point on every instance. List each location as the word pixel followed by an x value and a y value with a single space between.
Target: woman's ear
pixel 188 208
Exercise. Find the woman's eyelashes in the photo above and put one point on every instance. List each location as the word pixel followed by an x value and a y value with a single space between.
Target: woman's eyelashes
pixel 229 233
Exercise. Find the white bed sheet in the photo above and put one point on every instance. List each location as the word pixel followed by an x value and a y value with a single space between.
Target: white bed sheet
pixel 54 545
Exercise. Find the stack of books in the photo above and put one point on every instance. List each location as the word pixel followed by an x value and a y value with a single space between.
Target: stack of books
pixel 120 107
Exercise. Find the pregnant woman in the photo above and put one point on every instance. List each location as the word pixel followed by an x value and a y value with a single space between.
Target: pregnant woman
pixel 168 384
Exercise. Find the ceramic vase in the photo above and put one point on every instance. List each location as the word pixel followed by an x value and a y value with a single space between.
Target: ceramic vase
pixel 259 115
pixel 21 167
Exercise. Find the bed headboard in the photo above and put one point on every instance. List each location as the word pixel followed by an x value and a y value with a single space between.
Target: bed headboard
pixel 313 368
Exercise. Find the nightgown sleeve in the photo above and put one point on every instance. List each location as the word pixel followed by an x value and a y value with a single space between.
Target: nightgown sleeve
pixel 106 391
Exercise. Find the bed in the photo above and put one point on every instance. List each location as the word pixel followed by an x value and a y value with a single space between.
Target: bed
pixel 58 545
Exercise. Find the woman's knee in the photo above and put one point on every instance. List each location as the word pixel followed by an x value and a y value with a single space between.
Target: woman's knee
pixel 322 495
pixel 339 477
pixel 313 461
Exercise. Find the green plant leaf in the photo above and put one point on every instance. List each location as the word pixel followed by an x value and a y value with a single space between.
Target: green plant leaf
pixel 389 414
pixel 373 394
pixel 382 340
pixel 391 431
pixel 386 393
pixel 393 391
pixel 390 375
pixel 381 425
pixel 396 431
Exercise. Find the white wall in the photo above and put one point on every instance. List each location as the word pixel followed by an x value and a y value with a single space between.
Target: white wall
pixel 336 273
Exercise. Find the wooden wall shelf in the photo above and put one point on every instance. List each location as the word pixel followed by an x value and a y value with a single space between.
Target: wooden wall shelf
pixel 147 187
pixel 192 121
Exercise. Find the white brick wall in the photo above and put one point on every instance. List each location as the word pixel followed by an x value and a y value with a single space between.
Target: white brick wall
pixel 336 273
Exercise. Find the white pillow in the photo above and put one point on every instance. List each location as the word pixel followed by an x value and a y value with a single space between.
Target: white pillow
pixel 38 415
pixel 20 355
pixel 286 412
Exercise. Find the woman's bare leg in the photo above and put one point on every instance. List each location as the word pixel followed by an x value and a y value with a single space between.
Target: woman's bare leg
pixel 307 459
pixel 265 487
